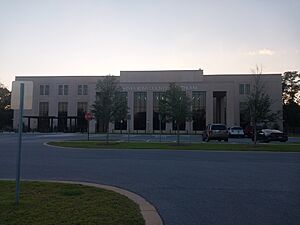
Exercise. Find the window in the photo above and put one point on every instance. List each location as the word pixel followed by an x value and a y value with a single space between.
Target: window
pixel 85 89
pixel 66 89
pixel 82 90
pixel 63 89
pixel 81 108
pixel 247 89
pixel 122 124
pixel 157 96
pixel 140 104
pixel 62 107
pixel 62 116
pixel 44 89
pixel 60 89
pixel 41 89
pixel 199 110
pixel 79 90
pixel 44 109
pixel 244 89
pixel 81 121
pixel 43 119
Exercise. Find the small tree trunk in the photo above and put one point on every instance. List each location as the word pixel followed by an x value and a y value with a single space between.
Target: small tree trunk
pixel 107 134
pixel 255 134
pixel 177 134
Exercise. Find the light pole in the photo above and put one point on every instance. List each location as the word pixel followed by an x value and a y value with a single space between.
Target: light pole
pixel 20 143
pixel 121 126
pixel 147 127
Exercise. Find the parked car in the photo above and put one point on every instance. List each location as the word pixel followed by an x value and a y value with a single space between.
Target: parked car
pixel 236 132
pixel 267 135
pixel 215 132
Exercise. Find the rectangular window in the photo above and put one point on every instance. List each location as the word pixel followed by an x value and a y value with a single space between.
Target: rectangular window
pixel 81 121
pixel 121 123
pixel 44 89
pixel 247 89
pixel 79 92
pixel 242 89
pixel 63 89
pixel 62 116
pixel 60 89
pixel 66 89
pixel 140 104
pixel 63 107
pixel 85 89
pixel 81 108
pixel 82 89
pixel 41 89
pixel 43 109
pixel 243 114
pixel 157 118
pixel 199 110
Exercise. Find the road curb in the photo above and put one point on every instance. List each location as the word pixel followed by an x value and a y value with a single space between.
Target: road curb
pixel 148 211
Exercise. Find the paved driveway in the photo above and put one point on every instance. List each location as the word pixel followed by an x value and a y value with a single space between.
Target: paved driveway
pixel 187 187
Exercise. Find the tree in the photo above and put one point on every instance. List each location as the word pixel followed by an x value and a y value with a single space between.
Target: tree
pixel 175 106
pixel 258 104
pixel 5 111
pixel 290 86
pixel 290 97
pixel 110 104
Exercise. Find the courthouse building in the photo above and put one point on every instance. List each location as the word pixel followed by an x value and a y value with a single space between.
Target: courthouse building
pixel 59 102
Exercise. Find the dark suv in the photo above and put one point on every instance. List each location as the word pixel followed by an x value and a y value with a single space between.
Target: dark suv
pixel 215 132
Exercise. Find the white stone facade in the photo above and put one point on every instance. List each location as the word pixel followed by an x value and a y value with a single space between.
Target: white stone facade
pixel 223 94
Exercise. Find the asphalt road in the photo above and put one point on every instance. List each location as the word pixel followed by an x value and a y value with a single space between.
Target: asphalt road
pixel 187 187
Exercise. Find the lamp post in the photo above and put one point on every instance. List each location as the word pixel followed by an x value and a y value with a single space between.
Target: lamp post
pixel 147 127
pixel 121 126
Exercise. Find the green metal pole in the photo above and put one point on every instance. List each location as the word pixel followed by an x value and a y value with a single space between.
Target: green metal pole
pixel 20 143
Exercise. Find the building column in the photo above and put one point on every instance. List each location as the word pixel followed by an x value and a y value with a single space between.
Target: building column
pixel 92 126
pixel 149 112
pixel 230 108
pixel 209 107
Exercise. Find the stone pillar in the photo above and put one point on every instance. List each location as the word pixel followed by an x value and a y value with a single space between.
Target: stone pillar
pixel 230 108
pixel 149 112
pixel 168 128
pixel 209 107
pixel 92 126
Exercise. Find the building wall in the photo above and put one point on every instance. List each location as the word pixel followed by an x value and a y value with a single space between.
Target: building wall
pixel 152 81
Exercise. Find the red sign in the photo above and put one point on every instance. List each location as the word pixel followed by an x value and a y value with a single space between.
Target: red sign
pixel 88 116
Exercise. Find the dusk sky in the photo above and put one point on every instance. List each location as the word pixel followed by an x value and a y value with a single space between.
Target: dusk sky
pixel 97 37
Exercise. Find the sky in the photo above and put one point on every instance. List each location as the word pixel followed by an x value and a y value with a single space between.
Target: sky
pixel 100 37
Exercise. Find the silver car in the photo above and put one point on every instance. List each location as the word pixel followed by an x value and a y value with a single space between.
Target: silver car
pixel 215 132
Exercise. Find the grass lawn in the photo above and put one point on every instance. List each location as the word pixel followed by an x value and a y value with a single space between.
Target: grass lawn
pixel 294 135
pixel 43 203
pixel 184 146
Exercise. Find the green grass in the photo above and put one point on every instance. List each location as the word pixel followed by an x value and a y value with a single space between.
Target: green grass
pixel 43 203
pixel 294 135
pixel 173 146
